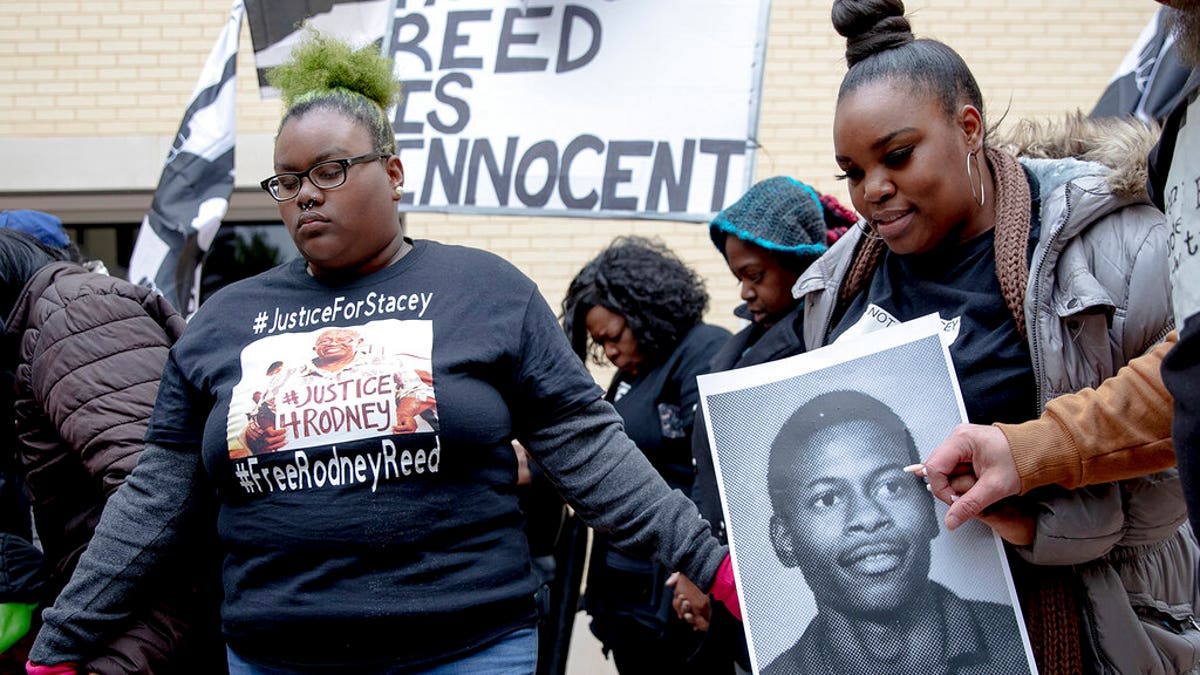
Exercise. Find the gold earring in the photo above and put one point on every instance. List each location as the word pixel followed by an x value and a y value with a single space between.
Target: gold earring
pixel 982 196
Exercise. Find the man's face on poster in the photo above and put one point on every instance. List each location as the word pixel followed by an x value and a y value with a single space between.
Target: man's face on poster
pixel 855 524
pixel 336 343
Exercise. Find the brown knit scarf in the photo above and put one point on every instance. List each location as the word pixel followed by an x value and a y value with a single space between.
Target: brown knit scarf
pixel 1047 594
pixel 1051 609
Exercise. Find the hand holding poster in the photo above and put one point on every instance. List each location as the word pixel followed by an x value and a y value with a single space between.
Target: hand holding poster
pixel 840 557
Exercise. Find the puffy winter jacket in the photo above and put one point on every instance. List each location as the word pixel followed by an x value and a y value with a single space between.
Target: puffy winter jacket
pixel 1097 297
pixel 89 350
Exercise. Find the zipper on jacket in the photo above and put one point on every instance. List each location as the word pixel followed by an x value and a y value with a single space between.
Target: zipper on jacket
pixel 1106 663
pixel 1161 335
pixel 829 318
pixel 1034 350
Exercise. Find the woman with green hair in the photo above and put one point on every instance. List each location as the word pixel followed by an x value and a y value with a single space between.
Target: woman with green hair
pixel 358 537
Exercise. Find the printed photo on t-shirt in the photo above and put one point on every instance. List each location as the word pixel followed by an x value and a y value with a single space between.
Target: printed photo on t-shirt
pixel 333 385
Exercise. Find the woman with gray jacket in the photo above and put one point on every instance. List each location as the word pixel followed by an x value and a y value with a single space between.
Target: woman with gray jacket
pixel 85 352
pixel 1047 271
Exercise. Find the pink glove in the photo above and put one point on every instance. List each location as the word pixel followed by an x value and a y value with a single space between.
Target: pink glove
pixel 724 588
pixel 32 668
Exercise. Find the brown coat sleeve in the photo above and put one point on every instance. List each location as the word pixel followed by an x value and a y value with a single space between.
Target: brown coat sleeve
pixel 1118 430
pixel 94 354
pixel 95 361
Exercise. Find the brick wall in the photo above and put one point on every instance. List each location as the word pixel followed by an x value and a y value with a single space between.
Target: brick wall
pixel 126 68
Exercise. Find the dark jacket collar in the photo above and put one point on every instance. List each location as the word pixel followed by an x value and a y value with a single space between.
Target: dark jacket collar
pixel 752 345
pixel 966 645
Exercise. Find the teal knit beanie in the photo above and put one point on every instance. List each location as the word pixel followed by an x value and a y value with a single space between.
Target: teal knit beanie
pixel 778 214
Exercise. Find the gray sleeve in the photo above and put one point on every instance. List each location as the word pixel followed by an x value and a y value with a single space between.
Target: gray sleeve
pixel 141 523
pixel 1074 526
pixel 615 489
pixel 1078 526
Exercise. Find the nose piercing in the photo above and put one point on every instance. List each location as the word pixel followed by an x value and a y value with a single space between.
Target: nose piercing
pixel 307 205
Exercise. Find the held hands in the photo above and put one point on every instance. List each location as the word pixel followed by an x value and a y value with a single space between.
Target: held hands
pixel 971 471
pixel 691 604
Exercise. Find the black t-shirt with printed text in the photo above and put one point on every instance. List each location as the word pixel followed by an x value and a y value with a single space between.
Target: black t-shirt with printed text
pixel 381 526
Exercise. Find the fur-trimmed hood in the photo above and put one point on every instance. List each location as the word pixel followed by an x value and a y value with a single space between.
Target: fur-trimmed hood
pixel 1121 145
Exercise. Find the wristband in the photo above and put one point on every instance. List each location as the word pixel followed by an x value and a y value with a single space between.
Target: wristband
pixel 724 588
pixel 32 668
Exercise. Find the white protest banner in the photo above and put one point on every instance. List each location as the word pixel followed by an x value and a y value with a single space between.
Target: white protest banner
pixel 593 108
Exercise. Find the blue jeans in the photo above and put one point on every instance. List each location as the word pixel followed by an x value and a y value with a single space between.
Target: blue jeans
pixel 512 654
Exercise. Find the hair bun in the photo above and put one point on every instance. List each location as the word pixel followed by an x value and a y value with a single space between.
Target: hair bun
pixel 870 27
pixel 321 64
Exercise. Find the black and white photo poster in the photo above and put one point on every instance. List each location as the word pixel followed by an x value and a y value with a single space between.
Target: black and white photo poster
pixel 842 561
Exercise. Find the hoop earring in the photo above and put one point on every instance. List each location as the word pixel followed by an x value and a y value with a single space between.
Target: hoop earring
pixel 982 196
pixel 868 231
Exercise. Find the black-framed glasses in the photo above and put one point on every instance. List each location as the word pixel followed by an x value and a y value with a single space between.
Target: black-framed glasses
pixel 326 175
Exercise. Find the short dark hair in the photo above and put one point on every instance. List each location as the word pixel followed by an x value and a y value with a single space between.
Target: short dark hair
pixel 660 297
pixel 824 411
pixel 21 255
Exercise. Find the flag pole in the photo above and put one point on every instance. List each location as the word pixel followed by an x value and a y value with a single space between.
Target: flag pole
pixel 193 191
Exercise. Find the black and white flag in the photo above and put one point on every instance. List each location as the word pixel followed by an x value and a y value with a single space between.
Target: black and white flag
pixel 1150 77
pixel 275 27
pixel 193 191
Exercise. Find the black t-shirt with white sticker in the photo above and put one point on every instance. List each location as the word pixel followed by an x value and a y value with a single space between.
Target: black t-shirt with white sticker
pixel 359 438
pixel 1175 187
pixel 957 282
